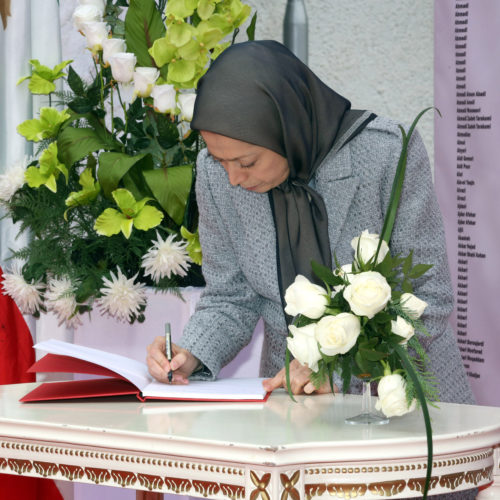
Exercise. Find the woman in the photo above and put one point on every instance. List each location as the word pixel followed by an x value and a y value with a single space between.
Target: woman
pixel 291 174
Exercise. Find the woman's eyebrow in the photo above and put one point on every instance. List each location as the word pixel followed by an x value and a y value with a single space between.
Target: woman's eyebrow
pixel 231 159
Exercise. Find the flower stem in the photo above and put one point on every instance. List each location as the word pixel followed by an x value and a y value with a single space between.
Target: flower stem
pixel 124 109
pixel 366 404
pixel 112 110
pixel 102 86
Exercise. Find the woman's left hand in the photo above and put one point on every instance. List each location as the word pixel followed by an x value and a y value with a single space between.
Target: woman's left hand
pixel 299 381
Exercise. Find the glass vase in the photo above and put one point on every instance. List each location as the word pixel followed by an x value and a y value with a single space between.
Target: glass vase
pixel 367 416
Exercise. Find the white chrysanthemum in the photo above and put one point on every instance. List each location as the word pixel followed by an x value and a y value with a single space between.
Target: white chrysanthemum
pixel 60 299
pixel 121 297
pixel 166 257
pixel 13 179
pixel 26 295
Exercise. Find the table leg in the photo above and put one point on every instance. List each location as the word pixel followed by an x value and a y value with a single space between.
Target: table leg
pixel 148 495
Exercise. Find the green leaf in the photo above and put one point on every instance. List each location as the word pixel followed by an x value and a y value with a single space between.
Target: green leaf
pixel 143 25
pixel 134 180
pixel 346 372
pixel 147 218
pixel 397 185
pixel 372 355
pixel 76 143
pixel 39 85
pixel 75 82
pixel 407 263
pixel 112 222
pixel 251 27
pixel 168 133
pixel 418 270
pixel 112 168
pixel 325 274
pixel 410 370
pixel 287 374
pixel 406 286
pixel 171 188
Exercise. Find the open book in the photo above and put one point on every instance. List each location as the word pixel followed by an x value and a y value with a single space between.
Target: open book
pixel 126 376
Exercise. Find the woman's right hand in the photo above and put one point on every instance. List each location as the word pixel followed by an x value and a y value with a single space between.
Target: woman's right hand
pixel 182 365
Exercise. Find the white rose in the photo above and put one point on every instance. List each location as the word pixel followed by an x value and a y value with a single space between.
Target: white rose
pixel 402 328
pixel 95 33
pixel 304 297
pixel 122 66
pixel 144 80
pixel 413 305
pixel 368 243
pixel 367 294
pixel 392 396
pixel 86 14
pixel 184 129
pixel 303 345
pixel 164 98
pixel 99 4
pixel 111 46
pixel 337 334
pixel 186 105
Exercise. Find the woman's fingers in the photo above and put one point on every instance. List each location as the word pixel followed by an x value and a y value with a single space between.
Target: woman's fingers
pixel 300 382
pixel 182 364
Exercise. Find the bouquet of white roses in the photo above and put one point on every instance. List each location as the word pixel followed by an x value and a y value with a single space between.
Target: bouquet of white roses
pixel 353 324
pixel 108 198
pixel 363 321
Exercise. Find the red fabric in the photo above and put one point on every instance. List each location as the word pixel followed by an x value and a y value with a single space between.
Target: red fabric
pixel 16 356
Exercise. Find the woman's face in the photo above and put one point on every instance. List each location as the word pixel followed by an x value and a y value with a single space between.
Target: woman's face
pixel 252 167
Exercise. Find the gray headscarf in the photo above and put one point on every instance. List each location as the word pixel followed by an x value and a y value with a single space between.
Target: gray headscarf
pixel 259 92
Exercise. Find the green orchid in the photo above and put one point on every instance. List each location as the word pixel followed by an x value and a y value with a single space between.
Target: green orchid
pixel 44 127
pixel 132 214
pixel 48 171
pixel 42 77
pixel 180 9
pixel 91 188
pixel 193 248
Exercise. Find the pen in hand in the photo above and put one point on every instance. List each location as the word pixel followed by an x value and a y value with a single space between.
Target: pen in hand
pixel 168 349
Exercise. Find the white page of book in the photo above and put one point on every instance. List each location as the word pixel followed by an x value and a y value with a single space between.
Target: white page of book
pixel 134 371
pixel 228 388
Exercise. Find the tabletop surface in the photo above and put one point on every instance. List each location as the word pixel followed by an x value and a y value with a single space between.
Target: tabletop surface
pixel 277 426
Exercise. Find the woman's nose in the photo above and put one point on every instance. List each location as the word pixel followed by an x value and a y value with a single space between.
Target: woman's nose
pixel 235 173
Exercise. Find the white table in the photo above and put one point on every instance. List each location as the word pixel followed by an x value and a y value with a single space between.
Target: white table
pixel 279 450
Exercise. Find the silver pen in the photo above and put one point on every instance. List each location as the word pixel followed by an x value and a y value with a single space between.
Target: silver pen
pixel 168 348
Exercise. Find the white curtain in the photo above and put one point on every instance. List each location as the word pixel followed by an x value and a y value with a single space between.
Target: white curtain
pixel 32 32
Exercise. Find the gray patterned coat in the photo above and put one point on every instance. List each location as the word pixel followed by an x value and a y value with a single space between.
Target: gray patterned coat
pixel 239 251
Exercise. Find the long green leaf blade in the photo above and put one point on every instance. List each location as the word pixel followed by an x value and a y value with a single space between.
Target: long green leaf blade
pixel 74 144
pixel 112 167
pixel 403 356
pixel 171 187
pixel 397 185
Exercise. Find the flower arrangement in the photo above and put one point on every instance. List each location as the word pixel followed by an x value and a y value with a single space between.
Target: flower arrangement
pixel 363 321
pixel 108 198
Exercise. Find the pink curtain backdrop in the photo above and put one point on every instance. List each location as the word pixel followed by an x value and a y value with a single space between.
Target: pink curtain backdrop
pixel 467 148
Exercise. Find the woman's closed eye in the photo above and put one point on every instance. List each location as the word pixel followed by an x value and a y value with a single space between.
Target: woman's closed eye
pixel 248 165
